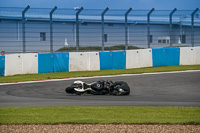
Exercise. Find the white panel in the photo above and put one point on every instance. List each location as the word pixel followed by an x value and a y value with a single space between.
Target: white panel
pixel 84 61
pixel 196 55
pixel 145 57
pixel 94 62
pixel 30 63
pixel 138 58
pixel 13 64
pixel 132 59
pixel 187 56
pixel 78 61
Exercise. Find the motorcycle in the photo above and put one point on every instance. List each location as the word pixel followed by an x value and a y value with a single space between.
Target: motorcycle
pixel 99 88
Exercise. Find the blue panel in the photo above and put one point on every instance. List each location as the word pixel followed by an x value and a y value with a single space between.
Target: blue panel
pixel 105 60
pixel 173 56
pixel 119 60
pixel 45 62
pixel 2 65
pixel 166 56
pixel 158 56
pixel 61 62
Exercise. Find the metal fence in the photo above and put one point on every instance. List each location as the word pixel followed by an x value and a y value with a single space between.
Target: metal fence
pixel 48 30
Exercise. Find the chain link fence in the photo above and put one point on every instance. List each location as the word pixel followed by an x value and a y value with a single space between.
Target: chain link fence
pixel 59 29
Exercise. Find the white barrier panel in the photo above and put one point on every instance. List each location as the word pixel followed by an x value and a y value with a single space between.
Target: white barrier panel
pixel 94 61
pixel 84 61
pixel 187 56
pixel 138 58
pixel 21 64
pixel 13 64
pixel 77 61
pixel 30 63
pixel 196 55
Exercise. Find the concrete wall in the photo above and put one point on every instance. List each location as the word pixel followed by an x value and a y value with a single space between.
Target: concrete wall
pixel 84 61
pixel 112 60
pixel 13 64
pixel 53 62
pixel 138 58
pixel 2 65
pixel 21 64
pixel 189 55
pixel 165 56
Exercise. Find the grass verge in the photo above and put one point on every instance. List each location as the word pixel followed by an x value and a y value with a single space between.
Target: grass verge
pixel 60 75
pixel 96 48
pixel 77 114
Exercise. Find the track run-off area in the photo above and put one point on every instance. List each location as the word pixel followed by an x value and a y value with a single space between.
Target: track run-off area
pixel 149 89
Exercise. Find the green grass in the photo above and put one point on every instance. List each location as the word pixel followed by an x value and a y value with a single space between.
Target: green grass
pixel 97 48
pixel 60 75
pixel 77 114
pixel 73 114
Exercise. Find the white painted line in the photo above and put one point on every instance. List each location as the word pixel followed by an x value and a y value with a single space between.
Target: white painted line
pixel 108 76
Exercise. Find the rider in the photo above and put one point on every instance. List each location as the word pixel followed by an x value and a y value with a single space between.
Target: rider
pixel 120 88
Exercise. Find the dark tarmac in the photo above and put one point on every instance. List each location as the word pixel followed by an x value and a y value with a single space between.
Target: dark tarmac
pixel 165 89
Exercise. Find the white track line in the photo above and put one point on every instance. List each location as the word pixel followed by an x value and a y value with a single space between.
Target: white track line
pixel 108 76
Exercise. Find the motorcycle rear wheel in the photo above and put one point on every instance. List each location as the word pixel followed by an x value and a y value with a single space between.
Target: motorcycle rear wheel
pixel 70 90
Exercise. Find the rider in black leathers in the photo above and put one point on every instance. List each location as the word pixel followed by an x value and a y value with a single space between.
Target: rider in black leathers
pixel 120 88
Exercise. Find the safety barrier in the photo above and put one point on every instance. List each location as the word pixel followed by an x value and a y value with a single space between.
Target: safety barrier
pixel 61 62
pixel 105 60
pixel 119 60
pixel 2 65
pixel 138 58
pixel 196 55
pixel 112 60
pixel 45 62
pixel 30 63
pixel 53 62
pixel 165 56
pixel 84 61
pixel 186 56
pixel 21 64
pixel 189 55
pixel 13 64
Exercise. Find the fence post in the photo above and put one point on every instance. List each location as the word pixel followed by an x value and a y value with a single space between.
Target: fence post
pixel 170 25
pixel 51 29
pixel 148 28
pixel 77 29
pixel 192 26
pixel 102 26
pixel 23 28
pixel 126 28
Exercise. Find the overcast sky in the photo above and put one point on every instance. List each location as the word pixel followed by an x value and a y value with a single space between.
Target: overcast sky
pixel 101 4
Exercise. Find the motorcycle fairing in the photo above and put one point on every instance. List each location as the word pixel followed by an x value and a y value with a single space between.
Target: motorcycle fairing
pixel 81 86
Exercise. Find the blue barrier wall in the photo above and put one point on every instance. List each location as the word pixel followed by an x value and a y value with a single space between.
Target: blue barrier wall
pixel 2 65
pixel 119 60
pixel 105 60
pixel 45 62
pixel 165 56
pixel 112 60
pixel 61 62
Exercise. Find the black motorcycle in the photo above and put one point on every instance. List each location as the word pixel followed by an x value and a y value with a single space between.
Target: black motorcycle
pixel 99 88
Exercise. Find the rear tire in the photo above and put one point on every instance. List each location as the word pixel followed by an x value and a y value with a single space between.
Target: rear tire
pixel 70 90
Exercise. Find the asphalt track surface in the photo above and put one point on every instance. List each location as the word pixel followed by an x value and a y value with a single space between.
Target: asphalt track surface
pixel 160 89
